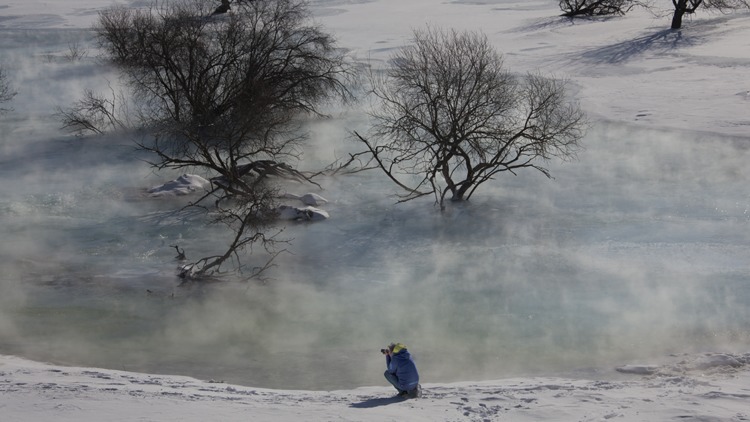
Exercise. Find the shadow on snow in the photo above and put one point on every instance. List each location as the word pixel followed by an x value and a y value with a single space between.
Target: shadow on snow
pixel 377 402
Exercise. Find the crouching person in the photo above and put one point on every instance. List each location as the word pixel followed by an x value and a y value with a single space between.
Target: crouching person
pixel 401 372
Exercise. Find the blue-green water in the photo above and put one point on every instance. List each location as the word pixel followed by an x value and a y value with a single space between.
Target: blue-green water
pixel 637 250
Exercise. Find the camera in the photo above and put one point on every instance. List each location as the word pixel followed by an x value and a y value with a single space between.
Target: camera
pixel 383 351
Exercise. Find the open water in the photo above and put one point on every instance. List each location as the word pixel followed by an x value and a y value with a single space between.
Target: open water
pixel 637 250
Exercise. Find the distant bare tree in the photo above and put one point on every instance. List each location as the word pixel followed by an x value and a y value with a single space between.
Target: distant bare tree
pixel 449 117
pixel 572 8
pixel 223 93
pixel 686 7
pixel 6 93
pixel 95 113
pixel 76 52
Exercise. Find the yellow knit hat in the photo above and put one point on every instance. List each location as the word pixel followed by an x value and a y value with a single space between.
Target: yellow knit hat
pixel 396 347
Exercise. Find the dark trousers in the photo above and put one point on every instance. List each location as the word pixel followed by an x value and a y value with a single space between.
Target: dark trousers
pixel 393 379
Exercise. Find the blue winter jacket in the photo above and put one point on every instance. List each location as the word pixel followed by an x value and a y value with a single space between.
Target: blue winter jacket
pixel 402 365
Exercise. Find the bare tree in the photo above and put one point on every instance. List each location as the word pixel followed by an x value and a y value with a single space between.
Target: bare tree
pixel 572 8
pixel 687 7
pixel 449 117
pixel 249 217
pixel 95 113
pixel 6 93
pixel 223 92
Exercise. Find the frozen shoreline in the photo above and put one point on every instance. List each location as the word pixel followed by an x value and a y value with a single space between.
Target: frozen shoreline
pixel 694 388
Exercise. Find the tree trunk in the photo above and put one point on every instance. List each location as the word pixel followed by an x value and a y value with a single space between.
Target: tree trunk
pixel 679 11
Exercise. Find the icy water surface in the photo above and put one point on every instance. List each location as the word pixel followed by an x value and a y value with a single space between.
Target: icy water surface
pixel 637 250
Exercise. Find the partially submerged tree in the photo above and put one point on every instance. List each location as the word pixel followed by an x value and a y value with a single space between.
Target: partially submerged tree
pixel 687 7
pixel 6 93
pixel 221 93
pixel 95 113
pixel 449 117
pixel 572 8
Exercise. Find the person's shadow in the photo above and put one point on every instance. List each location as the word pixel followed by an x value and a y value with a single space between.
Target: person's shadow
pixel 381 401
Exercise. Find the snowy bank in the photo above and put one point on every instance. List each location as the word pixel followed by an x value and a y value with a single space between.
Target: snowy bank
pixel 709 387
pixel 183 185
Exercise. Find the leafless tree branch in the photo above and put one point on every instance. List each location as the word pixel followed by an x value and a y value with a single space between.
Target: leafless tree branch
pixel 6 93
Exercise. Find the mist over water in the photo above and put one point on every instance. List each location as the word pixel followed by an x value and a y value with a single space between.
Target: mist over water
pixel 637 250
pixel 633 252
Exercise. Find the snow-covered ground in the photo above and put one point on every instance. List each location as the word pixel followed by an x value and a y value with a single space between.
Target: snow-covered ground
pixel 697 388
pixel 629 70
